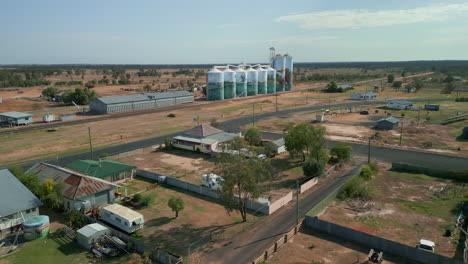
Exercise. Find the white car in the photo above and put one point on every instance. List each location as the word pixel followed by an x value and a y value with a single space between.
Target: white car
pixel 212 181
pixel 262 156
pixel 426 245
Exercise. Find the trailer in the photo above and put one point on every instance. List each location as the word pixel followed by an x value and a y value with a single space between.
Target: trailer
pixel 122 217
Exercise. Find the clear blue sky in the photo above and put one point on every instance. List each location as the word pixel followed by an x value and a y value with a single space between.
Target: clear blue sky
pixel 183 31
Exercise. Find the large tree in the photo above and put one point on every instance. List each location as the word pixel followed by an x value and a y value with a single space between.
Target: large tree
pixel 176 204
pixel 390 78
pixel 242 178
pixel 253 136
pixel 307 140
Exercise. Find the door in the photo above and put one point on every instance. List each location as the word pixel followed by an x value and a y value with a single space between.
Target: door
pixel 102 198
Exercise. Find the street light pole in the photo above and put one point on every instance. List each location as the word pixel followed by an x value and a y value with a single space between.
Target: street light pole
pixel 253 114
pixel 368 151
pixel 401 132
pixel 297 202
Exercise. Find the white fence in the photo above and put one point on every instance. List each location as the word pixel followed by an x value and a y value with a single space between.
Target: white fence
pixel 309 184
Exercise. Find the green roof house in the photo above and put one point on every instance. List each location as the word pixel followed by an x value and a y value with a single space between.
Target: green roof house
pixel 108 170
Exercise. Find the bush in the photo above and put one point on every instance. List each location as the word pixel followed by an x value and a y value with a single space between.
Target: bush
pixel 75 219
pixel 104 155
pixel 171 115
pixel 168 143
pixel 137 197
pixel 374 167
pixel 376 111
pixel 366 173
pixel 312 168
pixel 377 135
pixel 146 200
pixel 342 152
pixel 357 188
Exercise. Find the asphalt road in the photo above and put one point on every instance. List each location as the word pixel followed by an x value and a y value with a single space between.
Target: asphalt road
pixel 383 153
pixel 250 244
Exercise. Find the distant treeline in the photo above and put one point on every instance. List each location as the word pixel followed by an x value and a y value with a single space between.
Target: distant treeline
pixel 335 77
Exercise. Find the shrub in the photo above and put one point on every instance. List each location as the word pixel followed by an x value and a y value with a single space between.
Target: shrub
pixel 312 168
pixel 342 152
pixel 104 155
pixel 146 200
pixel 374 167
pixel 377 135
pixel 376 111
pixel 168 143
pixel 366 173
pixel 137 197
pixel 171 115
pixel 357 188
pixel 75 219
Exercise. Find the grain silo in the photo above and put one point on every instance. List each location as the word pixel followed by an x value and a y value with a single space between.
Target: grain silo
pixel 262 80
pixel 252 82
pixel 279 63
pixel 215 85
pixel 241 82
pixel 288 77
pixel 271 80
pixel 229 83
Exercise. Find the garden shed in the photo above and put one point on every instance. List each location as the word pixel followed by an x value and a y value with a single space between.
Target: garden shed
pixel 90 234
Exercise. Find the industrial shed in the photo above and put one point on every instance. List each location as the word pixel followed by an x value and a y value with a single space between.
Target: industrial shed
pixel 112 104
pixel 80 192
pixel 388 123
pixel 16 118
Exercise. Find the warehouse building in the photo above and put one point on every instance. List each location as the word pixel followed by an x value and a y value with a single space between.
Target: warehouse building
pixel 112 104
pixel 16 118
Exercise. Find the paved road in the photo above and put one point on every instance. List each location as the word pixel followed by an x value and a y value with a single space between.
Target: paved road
pixel 234 125
pixel 250 244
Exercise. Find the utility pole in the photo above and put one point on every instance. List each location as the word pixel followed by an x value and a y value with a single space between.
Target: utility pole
pixel 401 132
pixel 276 95
pixel 297 202
pixel 368 151
pixel 419 113
pixel 198 120
pixel 90 142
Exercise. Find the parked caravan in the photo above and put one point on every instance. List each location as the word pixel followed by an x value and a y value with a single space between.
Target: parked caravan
pixel 212 181
pixel 122 217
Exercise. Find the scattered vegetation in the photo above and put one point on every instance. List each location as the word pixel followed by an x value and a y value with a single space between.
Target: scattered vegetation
pixel 341 153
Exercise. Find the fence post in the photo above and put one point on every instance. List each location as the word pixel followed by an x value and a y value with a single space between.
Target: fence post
pixel 276 246
pixel 266 255
pixel 286 238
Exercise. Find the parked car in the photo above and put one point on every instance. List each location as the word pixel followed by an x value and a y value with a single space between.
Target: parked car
pixel 426 245
pixel 365 112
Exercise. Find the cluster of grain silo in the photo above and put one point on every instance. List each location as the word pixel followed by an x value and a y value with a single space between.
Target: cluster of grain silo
pixel 231 81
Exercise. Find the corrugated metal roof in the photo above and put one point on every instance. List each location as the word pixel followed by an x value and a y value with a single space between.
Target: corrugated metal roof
pixel 76 184
pixel 91 229
pixel 403 102
pixel 14 196
pixel 202 131
pixel 142 97
pixel 122 211
pixel 390 119
pixel 99 169
pixel 15 114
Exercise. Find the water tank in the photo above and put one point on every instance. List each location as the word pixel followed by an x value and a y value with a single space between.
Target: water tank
pixel 288 77
pixel 241 82
pixel 271 80
pixel 229 83
pixel 215 85
pixel 279 64
pixel 252 82
pixel 36 227
pixel 262 80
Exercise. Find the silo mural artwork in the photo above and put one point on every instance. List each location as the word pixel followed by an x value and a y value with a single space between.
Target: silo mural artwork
pixel 241 82
pixel 288 67
pixel 271 80
pixel 262 80
pixel 229 84
pixel 215 85
pixel 279 65
pixel 252 82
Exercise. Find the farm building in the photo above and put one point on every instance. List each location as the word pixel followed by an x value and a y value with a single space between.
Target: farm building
pixel 203 138
pixel 108 170
pixel 16 118
pixel 345 87
pixel 400 105
pixel 363 96
pixel 276 139
pixel 431 107
pixel 90 234
pixel 17 203
pixel 112 104
pixel 80 192
pixel 388 123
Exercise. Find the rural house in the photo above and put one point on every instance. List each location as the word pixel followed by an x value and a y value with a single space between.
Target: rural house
pixel 363 96
pixel 387 123
pixel 400 105
pixel 16 118
pixel 17 203
pixel 276 139
pixel 108 170
pixel 80 192
pixel 203 138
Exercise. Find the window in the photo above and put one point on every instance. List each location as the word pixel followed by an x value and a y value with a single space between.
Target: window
pixel 125 223
pixel 118 220
pixel 107 214
pixel 28 211
pixel 33 210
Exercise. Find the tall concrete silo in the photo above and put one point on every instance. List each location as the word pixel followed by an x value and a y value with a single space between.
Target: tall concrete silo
pixel 288 77
pixel 262 80
pixel 215 85
pixel 252 82
pixel 229 83
pixel 241 82
pixel 279 64
pixel 271 80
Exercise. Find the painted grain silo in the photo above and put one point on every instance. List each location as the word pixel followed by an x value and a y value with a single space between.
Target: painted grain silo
pixel 36 227
pixel 215 85
pixel 262 80
pixel 288 77
pixel 271 80
pixel 229 83
pixel 252 82
pixel 279 63
pixel 241 82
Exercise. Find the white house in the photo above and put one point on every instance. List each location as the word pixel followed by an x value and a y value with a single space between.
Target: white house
pixel 363 96
pixel 400 105
pixel 203 138
pixel 17 203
